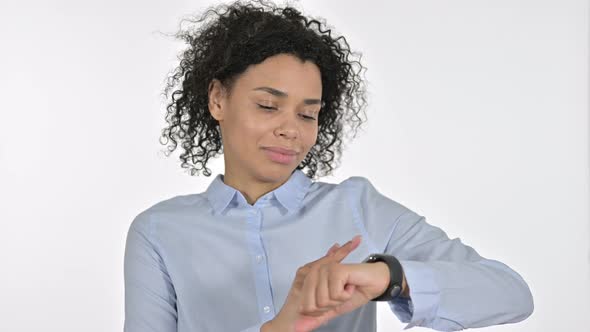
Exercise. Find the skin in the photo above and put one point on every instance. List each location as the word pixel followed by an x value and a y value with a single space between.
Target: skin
pixel 246 127
pixel 317 297
pixel 323 289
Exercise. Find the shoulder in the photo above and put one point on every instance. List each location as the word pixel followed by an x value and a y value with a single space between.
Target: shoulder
pixel 360 187
pixel 366 196
pixel 357 183
pixel 350 183
pixel 166 209
pixel 354 185
pixel 374 213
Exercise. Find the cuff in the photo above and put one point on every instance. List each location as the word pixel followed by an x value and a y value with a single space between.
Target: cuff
pixel 421 308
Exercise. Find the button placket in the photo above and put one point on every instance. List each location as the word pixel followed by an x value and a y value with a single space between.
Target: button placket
pixel 263 286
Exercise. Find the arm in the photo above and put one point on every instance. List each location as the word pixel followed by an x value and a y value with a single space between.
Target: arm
pixel 150 300
pixel 405 288
pixel 451 286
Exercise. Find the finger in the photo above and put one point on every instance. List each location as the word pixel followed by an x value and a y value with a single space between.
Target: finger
pixel 349 289
pixel 333 249
pixel 346 249
pixel 323 298
pixel 338 254
pixel 330 253
pixel 338 289
pixel 308 304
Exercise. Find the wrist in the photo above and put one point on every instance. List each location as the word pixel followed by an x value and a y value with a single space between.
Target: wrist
pixel 395 287
pixel 383 272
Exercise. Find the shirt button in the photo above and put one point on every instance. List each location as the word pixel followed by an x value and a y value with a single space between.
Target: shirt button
pixel 266 309
pixel 259 258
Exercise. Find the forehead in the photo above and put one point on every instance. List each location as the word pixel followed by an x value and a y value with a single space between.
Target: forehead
pixel 286 73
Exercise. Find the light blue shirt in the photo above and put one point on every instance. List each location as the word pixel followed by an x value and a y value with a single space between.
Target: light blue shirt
pixel 212 262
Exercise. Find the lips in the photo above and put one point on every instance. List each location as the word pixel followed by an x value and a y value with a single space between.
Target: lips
pixel 282 150
pixel 281 155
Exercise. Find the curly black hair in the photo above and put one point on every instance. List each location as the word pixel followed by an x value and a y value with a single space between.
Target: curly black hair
pixel 223 42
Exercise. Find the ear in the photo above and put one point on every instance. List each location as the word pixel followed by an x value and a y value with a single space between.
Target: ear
pixel 216 99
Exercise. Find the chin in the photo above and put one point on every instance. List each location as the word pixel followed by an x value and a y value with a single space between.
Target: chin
pixel 275 173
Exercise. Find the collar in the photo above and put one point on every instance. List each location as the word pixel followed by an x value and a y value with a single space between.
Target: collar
pixel 290 194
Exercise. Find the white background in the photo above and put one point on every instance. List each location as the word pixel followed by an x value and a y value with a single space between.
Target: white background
pixel 478 120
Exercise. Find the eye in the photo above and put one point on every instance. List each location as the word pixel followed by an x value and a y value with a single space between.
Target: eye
pixel 307 117
pixel 266 107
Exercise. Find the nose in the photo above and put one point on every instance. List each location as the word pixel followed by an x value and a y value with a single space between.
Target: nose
pixel 288 127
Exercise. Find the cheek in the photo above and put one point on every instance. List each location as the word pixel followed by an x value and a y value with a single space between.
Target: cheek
pixel 249 131
pixel 311 137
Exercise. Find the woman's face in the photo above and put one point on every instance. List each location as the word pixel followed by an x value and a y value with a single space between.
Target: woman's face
pixel 273 104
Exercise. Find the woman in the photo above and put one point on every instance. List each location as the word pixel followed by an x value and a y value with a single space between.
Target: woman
pixel 274 91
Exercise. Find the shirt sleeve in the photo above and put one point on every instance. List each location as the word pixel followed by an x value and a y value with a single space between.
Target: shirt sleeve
pixel 255 328
pixel 451 286
pixel 150 299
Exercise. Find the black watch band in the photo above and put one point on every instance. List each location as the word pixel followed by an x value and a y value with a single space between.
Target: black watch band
pixel 396 275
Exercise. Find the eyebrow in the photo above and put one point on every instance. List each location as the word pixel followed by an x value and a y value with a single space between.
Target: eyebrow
pixel 279 93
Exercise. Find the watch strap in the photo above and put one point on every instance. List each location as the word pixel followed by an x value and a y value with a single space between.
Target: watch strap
pixel 396 276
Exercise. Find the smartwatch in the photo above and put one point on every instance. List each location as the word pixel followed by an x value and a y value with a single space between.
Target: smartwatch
pixel 396 275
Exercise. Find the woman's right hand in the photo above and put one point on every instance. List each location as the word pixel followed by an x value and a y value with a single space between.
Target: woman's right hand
pixel 289 313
